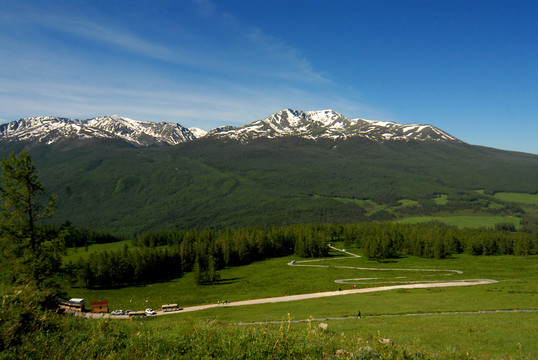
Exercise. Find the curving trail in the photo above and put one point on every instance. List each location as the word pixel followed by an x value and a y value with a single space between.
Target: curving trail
pixel 358 280
pixel 278 299
pixel 401 285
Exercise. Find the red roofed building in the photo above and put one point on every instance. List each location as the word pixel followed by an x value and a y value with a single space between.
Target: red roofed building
pixel 99 307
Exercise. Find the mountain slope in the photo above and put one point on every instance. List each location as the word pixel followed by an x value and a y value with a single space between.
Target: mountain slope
pixel 332 125
pixel 307 124
pixel 50 129
pixel 292 167
pixel 211 183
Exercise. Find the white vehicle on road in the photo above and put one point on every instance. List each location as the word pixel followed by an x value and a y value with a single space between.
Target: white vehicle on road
pixel 150 312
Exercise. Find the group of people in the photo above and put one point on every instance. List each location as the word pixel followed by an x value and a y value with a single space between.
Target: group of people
pixel 223 302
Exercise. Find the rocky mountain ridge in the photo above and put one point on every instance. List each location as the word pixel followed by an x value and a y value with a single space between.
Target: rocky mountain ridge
pixel 330 124
pixel 306 124
pixel 51 129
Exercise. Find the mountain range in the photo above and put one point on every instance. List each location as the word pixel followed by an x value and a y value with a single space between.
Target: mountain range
pixel 124 176
pixel 305 124
pixel 51 129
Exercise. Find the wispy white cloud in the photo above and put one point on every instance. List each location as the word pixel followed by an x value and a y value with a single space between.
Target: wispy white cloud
pixel 206 106
pixel 206 9
pixel 246 75
pixel 254 53
pixel 279 53
pixel 114 35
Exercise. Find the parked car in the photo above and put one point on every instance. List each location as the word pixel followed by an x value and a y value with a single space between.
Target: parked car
pixel 150 312
pixel 117 312
pixel 127 312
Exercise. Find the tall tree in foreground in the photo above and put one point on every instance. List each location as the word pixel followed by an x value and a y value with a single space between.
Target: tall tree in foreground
pixel 32 254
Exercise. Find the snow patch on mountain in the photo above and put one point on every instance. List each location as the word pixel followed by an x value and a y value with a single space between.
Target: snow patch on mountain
pixel 330 124
pixel 197 132
pixel 51 129
pixel 307 124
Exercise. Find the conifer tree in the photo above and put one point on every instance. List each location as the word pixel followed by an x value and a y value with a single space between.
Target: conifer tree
pixel 33 255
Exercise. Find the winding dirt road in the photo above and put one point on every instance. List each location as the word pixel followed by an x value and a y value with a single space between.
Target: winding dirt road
pixel 278 299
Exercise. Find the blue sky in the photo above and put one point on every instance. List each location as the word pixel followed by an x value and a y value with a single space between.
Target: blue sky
pixel 468 67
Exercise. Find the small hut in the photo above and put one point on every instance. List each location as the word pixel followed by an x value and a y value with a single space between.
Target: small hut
pixel 74 304
pixel 99 307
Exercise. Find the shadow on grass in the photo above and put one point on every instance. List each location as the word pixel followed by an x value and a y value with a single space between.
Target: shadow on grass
pixel 228 281
pixel 126 285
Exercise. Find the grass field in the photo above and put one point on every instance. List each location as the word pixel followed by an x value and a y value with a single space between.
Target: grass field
pixel 75 253
pixel 407 202
pixel 517 289
pixel 500 335
pixel 466 221
pixel 531 199
pixel 441 199
pixel 368 204
pixel 274 277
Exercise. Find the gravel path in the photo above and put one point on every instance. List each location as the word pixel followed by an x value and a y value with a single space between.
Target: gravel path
pixel 278 299
pixel 392 315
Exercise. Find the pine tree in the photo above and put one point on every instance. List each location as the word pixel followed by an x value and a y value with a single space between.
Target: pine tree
pixel 33 254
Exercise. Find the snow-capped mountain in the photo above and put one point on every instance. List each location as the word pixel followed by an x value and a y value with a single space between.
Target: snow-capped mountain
pixel 306 124
pixel 197 132
pixel 50 129
pixel 329 124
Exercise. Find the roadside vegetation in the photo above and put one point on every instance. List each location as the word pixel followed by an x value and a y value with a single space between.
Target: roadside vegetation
pixel 75 338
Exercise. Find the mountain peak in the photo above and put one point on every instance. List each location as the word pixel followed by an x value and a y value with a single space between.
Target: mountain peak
pixel 288 122
pixel 330 124
pixel 197 132
pixel 51 129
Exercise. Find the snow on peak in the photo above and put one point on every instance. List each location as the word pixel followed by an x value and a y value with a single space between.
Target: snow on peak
pixel 330 124
pixel 50 129
pixel 197 132
pixel 288 122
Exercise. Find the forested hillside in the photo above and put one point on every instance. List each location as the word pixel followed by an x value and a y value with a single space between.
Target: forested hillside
pixel 108 186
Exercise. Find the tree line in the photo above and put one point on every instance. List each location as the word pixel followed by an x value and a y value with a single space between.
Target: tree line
pixel 436 240
pixel 162 255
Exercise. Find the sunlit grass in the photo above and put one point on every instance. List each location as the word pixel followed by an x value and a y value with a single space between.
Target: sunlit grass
pixel 441 199
pixel 81 252
pixel 531 199
pixel 448 334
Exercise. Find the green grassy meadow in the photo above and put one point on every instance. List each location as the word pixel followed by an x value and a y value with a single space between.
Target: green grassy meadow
pixel 460 218
pixel 497 336
pixel 273 277
pixel 531 199
pixel 484 335
pixel 441 199
pixel 407 202
pixel 81 252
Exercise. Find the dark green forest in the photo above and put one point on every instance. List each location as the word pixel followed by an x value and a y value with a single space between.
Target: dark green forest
pixel 120 189
pixel 164 255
